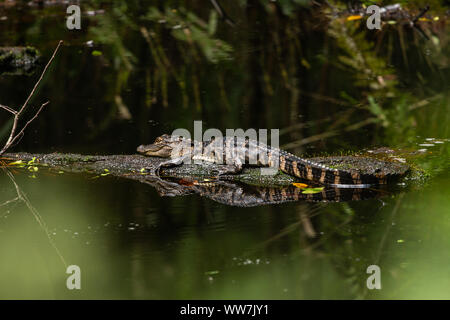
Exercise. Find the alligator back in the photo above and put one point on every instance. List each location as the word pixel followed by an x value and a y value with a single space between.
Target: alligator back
pixel 239 151
pixel 248 151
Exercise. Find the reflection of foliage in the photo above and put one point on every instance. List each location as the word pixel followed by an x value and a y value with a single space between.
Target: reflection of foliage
pixel 110 31
pixel 289 7
pixel 359 55
pixel 187 27
pixel 189 35
pixel 380 84
pixel 339 245
pixel 107 32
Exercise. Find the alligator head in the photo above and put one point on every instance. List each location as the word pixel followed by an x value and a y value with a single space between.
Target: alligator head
pixel 164 146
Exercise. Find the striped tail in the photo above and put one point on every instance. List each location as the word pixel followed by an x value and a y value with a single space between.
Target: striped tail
pixel 312 171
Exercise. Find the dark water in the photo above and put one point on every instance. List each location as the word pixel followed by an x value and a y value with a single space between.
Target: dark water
pixel 328 88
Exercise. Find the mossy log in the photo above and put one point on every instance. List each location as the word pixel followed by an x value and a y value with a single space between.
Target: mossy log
pixel 138 167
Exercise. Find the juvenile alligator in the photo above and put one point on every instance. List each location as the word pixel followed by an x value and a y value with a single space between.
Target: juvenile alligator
pixel 234 152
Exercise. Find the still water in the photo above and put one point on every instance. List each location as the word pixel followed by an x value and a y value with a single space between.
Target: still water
pixel 129 75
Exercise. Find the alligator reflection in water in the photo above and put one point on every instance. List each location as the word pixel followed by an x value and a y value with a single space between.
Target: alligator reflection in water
pixel 236 194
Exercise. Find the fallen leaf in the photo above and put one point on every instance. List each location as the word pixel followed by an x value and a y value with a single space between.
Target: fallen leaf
pixel 312 190
pixel 352 18
pixel 19 162
pixel 210 273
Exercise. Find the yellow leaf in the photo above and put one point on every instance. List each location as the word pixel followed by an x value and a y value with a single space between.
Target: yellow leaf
pixel 305 64
pixel 312 190
pixel 351 18
pixel 31 161
pixel 300 185
pixel 16 162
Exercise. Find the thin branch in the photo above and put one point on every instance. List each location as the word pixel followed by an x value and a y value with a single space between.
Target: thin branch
pixel 40 78
pixel 17 114
pixel 421 14
pixel 8 109
pixel 9 201
pixel 21 132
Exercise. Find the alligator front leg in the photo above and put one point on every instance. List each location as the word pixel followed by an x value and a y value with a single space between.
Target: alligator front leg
pixel 232 168
pixel 229 167
pixel 219 169
pixel 170 163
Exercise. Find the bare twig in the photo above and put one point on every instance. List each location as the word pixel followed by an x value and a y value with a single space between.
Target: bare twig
pixel 421 14
pixel 21 132
pixel 9 201
pixel 18 114
pixel 8 109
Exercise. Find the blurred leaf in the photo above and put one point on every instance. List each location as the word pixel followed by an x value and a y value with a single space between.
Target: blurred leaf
pixel 375 108
pixel 212 25
pixel 300 185
pixel 312 190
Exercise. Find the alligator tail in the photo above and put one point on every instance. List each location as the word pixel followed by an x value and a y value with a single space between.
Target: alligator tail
pixel 312 171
